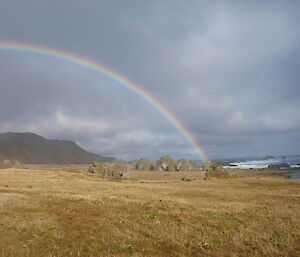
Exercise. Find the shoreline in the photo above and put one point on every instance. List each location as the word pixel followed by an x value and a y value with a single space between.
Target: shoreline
pixel 265 172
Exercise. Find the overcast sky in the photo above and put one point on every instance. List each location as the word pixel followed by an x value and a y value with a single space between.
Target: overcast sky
pixel 229 70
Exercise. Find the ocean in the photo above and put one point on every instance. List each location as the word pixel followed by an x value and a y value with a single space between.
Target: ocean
pixel 293 161
pixel 293 175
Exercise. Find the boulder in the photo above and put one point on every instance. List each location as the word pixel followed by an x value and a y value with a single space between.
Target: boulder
pixel 279 166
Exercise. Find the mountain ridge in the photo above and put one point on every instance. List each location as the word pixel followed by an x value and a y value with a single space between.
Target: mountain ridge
pixel 31 148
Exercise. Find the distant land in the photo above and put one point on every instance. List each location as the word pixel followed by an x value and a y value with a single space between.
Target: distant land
pixel 31 148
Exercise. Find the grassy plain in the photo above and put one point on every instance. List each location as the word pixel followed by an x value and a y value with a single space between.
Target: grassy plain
pixel 53 212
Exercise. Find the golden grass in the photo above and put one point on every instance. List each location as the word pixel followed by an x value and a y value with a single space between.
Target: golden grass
pixel 47 213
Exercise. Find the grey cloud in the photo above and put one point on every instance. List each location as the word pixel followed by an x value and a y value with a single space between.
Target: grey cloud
pixel 226 69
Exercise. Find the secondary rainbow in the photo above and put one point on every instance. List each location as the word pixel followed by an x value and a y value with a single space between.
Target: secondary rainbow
pixel 97 67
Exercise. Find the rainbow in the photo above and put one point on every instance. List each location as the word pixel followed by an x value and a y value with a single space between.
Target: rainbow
pixel 99 68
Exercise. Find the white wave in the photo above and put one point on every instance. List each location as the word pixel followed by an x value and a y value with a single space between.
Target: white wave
pixel 293 161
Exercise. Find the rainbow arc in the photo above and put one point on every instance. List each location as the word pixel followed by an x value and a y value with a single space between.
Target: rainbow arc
pixel 99 68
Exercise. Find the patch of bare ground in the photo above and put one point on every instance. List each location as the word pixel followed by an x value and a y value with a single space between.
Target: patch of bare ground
pixel 59 213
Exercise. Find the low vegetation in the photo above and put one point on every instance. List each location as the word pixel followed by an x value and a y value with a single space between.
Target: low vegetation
pixel 59 213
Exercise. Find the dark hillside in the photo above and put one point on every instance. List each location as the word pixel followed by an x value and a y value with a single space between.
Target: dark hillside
pixel 31 148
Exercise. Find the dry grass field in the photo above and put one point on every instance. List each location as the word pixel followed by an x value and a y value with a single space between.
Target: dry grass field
pixel 47 213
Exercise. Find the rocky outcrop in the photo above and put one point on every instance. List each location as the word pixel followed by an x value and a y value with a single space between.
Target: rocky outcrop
pixel 199 166
pixel 115 170
pixel 183 165
pixel 6 164
pixel 279 166
pixel 144 164
pixel 216 171
pixel 166 163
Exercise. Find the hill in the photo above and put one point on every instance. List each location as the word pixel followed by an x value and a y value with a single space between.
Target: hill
pixel 31 148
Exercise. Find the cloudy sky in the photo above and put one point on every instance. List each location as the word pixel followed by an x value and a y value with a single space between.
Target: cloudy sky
pixel 229 70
